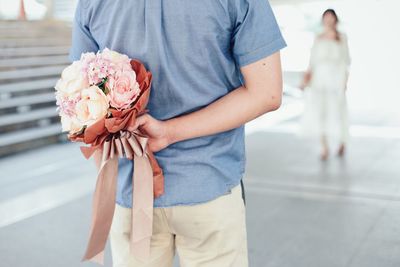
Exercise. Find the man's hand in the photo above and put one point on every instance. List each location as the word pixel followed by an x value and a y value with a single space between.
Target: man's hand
pixel 156 130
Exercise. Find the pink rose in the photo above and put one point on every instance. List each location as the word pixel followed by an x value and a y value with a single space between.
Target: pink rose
pixel 123 89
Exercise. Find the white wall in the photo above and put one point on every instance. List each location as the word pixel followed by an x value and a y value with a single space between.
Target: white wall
pixel 10 9
pixel 36 9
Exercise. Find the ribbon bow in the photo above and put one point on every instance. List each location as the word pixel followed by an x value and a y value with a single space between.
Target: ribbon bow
pixel 132 145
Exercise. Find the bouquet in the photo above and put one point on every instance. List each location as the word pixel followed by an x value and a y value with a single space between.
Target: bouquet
pixel 99 98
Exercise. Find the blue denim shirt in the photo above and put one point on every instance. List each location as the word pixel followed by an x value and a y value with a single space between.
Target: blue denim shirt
pixel 195 50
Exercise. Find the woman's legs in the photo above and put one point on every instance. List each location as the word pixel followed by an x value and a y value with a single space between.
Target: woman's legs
pixel 342 149
pixel 325 148
pixel 344 132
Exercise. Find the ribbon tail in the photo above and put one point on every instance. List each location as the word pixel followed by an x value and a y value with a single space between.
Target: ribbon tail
pixel 142 208
pixel 103 210
pixel 158 175
pixel 99 258
pixel 88 151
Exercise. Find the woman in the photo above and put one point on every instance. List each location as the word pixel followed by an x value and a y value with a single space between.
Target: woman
pixel 325 113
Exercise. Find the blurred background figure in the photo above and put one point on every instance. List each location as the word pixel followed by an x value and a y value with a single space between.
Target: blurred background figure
pixel 325 114
pixel 37 10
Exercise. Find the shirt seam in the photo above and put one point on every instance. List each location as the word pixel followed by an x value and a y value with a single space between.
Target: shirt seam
pixel 266 50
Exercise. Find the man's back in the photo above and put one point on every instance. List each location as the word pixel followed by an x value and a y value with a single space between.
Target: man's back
pixel 194 50
pixel 215 67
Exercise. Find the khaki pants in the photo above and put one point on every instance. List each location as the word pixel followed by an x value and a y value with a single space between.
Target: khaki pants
pixel 211 234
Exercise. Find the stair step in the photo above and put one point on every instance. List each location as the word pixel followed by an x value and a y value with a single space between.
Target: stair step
pixel 38 33
pixel 35 42
pixel 44 29
pixel 31 24
pixel 27 100
pixel 34 61
pixel 32 56
pixel 34 51
pixel 31 72
pixel 17 87
pixel 29 135
pixel 16 118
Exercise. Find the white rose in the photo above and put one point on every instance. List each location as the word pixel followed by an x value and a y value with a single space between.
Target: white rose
pixel 72 79
pixel 71 125
pixel 92 106
pixel 115 57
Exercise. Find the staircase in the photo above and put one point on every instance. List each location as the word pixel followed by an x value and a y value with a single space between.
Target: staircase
pixel 64 9
pixel 32 56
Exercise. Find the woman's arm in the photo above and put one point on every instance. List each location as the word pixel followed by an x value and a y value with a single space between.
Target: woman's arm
pixel 306 79
pixel 308 74
pixel 261 93
pixel 347 58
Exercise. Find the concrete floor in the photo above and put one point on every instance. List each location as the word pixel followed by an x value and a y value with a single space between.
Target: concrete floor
pixel 300 212
pixel 339 213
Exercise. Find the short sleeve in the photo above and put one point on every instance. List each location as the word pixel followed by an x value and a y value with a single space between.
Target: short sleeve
pixel 82 40
pixel 256 33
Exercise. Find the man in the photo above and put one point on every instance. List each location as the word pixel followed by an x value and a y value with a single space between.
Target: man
pixel 216 66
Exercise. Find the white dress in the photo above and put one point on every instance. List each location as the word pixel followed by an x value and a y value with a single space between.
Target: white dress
pixel 325 112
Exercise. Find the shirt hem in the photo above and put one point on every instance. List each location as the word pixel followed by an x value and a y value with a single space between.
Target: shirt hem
pixel 229 188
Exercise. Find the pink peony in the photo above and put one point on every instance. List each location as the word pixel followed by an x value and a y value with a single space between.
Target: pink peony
pixel 66 104
pixel 96 67
pixel 103 64
pixel 66 107
pixel 123 89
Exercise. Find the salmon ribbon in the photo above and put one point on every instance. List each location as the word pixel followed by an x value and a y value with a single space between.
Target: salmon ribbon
pixel 132 145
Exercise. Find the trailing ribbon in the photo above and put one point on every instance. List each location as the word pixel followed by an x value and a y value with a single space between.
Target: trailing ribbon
pixel 132 145
pixel 112 137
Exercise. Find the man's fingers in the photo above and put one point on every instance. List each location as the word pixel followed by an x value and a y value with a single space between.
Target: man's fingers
pixel 141 120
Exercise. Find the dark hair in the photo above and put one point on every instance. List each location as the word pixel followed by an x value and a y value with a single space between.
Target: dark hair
pixel 333 13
